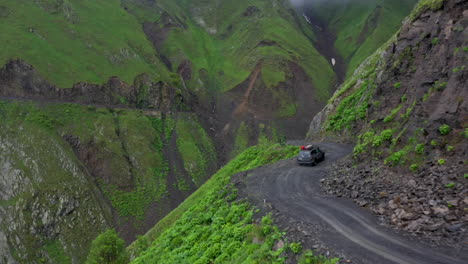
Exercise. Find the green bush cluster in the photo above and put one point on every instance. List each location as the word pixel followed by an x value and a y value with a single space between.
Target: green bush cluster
pixel 295 247
pixel 384 136
pixel 396 158
pixel 441 161
pixel 419 149
pixel 352 108
pixel 308 257
pixel 414 168
pixel 371 138
pixel 444 129
pixel 108 248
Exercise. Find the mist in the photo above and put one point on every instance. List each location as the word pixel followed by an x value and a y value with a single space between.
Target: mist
pixel 304 3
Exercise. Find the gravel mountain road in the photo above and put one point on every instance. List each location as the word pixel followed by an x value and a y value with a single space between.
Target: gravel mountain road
pixel 350 231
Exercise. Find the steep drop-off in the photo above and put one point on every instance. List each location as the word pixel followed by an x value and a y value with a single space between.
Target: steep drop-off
pixel 360 27
pixel 71 171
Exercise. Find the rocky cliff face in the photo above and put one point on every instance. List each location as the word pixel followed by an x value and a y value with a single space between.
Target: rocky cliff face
pixel 406 109
pixel 20 80
pixel 48 206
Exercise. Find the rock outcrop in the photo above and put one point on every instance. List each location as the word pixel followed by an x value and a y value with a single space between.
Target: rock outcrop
pixel 47 204
pixel 20 80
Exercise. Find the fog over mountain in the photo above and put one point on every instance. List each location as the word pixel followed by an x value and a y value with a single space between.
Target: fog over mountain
pixel 301 3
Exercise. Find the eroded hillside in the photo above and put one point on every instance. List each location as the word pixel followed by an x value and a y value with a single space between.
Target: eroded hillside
pixel 406 108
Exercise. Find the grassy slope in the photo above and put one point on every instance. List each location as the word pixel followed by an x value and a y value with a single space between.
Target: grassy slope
pixel 76 41
pixel 209 227
pixel 222 42
pixel 354 41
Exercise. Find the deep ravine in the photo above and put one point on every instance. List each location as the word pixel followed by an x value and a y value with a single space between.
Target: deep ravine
pixel 325 44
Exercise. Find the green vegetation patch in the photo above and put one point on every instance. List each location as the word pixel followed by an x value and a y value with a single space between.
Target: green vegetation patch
pixel 210 227
pixel 242 139
pixel 77 41
pixel 351 108
pixel 195 147
pixel 57 253
pixel 108 248
pixel 424 5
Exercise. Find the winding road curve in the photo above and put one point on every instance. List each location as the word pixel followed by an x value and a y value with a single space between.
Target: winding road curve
pixel 294 191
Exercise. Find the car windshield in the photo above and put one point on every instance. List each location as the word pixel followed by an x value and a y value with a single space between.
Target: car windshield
pixel 304 154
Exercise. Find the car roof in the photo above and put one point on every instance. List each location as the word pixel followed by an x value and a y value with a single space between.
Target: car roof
pixel 308 147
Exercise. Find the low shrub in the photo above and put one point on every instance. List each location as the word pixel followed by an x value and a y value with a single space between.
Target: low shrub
pixel 396 158
pixel 108 248
pixel 414 168
pixel 295 247
pixel 419 149
pixel 450 185
pixel 444 129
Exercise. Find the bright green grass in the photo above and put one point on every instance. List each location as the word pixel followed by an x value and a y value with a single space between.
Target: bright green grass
pixel 86 41
pixel 195 147
pixel 207 218
pixel 241 141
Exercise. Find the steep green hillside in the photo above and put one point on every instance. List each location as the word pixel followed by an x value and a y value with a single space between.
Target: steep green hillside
pixel 211 226
pixel 76 41
pixel 362 26
pixel 107 167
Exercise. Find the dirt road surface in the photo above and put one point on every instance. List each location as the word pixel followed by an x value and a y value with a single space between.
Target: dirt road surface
pixel 293 194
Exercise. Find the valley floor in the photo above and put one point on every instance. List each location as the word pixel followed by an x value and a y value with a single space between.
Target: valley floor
pixel 329 225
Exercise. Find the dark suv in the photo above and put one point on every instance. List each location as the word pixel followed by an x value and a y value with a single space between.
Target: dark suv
pixel 310 155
